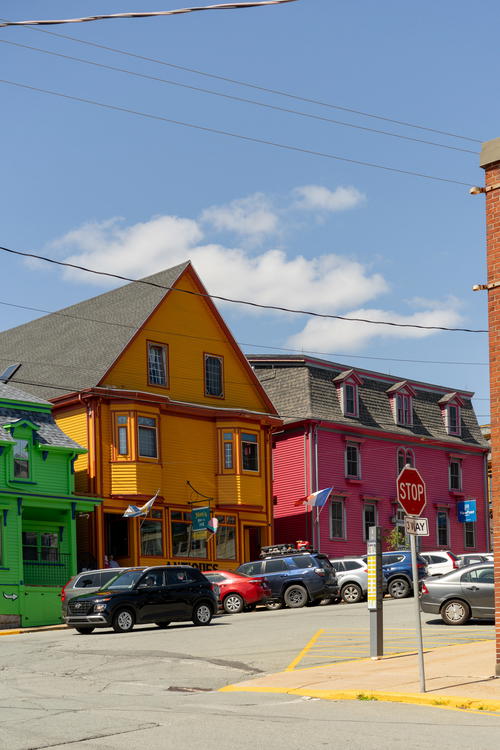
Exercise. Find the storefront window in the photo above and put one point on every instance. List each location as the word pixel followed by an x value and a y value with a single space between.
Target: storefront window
pixel 226 538
pixel 183 545
pixel 49 547
pixel 152 536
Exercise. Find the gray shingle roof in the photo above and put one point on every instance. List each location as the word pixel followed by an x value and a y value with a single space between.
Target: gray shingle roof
pixel 48 433
pixel 68 354
pixel 305 390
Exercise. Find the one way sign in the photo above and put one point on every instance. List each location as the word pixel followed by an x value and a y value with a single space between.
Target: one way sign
pixel 416 526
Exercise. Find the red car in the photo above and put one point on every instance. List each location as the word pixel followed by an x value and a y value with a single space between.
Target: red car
pixel 236 592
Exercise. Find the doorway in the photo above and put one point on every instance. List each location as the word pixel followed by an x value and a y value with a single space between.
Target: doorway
pixel 253 542
pixel 116 535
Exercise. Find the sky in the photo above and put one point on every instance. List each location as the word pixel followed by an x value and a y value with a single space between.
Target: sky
pixel 133 195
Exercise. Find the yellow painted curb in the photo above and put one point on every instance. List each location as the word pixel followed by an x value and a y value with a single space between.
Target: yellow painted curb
pixel 437 701
pixel 17 631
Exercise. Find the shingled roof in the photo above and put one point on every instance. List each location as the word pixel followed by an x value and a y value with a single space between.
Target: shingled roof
pixel 303 388
pixel 73 349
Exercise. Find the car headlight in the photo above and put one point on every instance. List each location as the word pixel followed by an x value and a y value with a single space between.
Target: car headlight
pixel 100 607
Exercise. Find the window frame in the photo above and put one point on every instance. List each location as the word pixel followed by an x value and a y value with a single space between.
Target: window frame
pixel 252 472
pixel 458 463
pixel 470 526
pixel 166 365
pixel 145 415
pixel 224 523
pixel 443 513
pixel 206 356
pixel 223 441
pixel 339 501
pixel 365 528
pixel 158 520
pixel 355 401
pixel 117 456
pixel 457 430
pixel 351 444
pixel 403 414
pixel 17 477
pixel 185 518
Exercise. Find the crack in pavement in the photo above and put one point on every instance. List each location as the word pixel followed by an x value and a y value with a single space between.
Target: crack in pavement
pixel 96 737
pixel 240 666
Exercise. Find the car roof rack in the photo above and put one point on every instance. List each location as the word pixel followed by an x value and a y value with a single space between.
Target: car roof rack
pixel 275 550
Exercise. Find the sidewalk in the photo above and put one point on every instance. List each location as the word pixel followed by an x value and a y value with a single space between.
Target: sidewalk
pixel 460 677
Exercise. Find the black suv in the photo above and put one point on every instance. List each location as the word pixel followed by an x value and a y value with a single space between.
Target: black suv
pixel 158 595
pixel 296 577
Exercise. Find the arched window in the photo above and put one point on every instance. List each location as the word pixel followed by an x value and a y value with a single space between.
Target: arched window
pixel 401 459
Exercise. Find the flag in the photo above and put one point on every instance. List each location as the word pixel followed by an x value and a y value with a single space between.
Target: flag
pixel 133 511
pixel 317 499
pixel 213 525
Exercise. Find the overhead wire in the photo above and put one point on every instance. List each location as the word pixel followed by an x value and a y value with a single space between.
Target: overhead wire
pixel 231 300
pixel 255 86
pixel 231 97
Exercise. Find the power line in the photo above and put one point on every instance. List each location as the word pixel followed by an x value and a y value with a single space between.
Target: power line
pixel 240 343
pixel 231 97
pixel 148 14
pixel 217 131
pixel 257 87
pixel 235 301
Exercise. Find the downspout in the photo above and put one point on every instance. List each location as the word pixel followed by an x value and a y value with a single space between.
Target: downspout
pixel 316 473
pixel 311 479
pixel 487 502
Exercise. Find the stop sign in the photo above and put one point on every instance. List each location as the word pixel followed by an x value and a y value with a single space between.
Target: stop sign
pixel 411 491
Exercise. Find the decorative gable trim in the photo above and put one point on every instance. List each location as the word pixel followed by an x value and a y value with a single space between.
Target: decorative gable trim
pixel 402 387
pixel 350 375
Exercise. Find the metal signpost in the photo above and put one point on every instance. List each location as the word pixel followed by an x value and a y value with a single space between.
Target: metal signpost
pixel 412 498
pixel 375 594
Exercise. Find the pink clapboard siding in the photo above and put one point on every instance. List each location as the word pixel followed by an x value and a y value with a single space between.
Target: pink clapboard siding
pixel 295 477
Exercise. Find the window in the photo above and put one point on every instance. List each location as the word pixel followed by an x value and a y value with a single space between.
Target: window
pixel 152 535
pixel 122 435
pixel 455 474
pixel 182 543
pixel 147 432
pixel 251 569
pixel 352 462
pixel 479 575
pixel 227 451
pixel 249 452
pixel 442 528
pixel 369 519
pixel 40 546
pixel 30 545
pixel 453 419
pixel 21 460
pixel 405 457
pixel 469 534
pixel 157 364
pixel 226 538
pixel 49 547
pixel 403 409
pixel 214 376
pixel 337 519
pixel 275 566
pixel 175 576
pixel 353 565
pixel 350 400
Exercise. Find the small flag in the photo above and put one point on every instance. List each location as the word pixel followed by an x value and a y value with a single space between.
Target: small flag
pixel 213 525
pixel 317 499
pixel 133 511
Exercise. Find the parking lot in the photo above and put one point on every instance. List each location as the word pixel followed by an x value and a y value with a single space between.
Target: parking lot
pixel 108 690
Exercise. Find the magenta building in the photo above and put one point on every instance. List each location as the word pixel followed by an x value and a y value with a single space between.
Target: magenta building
pixel 354 430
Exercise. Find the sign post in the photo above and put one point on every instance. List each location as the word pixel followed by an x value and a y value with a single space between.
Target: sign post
pixel 412 498
pixel 375 594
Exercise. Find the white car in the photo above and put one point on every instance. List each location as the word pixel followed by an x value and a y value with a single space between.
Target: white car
pixel 471 558
pixel 440 562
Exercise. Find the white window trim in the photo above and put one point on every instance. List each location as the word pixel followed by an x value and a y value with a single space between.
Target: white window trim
pixel 340 500
pixel 352 476
pixel 460 477
pixel 458 431
pixel 374 506
pixel 408 411
pixel 475 535
pixel 354 387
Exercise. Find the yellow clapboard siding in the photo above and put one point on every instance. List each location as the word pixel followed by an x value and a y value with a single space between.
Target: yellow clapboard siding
pixel 74 424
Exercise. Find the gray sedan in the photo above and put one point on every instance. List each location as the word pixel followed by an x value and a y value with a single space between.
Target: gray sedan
pixel 462 594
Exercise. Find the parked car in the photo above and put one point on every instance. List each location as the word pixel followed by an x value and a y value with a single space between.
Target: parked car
pixel 462 594
pixel 296 577
pixel 352 577
pixel 396 567
pixel 159 595
pixel 237 592
pixel 439 562
pixel 470 558
pixel 86 582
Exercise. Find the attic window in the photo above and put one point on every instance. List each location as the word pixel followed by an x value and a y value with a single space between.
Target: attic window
pixel 404 409
pixel 347 390
pixel 350 400
pixel 21 460
pixel 157 364
pixel 451 412
pixel 454 419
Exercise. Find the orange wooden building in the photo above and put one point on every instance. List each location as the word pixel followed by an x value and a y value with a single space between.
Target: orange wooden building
pixel 151 381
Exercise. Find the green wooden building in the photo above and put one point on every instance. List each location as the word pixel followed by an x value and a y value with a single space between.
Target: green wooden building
pixel 38 510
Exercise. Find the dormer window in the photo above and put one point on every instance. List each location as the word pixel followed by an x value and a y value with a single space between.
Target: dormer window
pixel 347 390
pixel 403 409
pixel 401 398
pixel 21 460
pixel 451 412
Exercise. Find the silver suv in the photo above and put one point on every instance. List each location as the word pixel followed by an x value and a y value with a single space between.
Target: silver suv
pixel 86 582
pixel 352 576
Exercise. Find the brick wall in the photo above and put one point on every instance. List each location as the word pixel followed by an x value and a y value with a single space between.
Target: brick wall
pixel 490 161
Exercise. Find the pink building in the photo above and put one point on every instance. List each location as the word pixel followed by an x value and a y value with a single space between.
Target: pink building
pixel 354 430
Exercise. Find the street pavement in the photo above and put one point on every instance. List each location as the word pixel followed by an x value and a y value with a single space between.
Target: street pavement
pixel 162 689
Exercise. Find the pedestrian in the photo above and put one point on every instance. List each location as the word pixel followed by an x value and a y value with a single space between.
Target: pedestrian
pixel 112 563
pixel 106 561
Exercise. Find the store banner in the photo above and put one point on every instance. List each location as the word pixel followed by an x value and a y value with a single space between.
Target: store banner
pixel 466 511
pixel 200 518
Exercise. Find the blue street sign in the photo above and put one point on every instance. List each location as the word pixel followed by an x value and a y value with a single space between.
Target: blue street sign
pixel 466 511
pixel 200 518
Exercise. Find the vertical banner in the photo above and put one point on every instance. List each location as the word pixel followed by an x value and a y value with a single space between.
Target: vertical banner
pixel 200 519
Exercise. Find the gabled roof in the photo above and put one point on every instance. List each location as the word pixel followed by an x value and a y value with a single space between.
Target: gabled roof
pixel 451 398
pixel 348 375
pixel 68 354
pixel 403 385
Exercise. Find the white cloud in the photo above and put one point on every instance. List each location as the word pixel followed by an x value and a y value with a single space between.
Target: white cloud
pixel 319 198
pixel 249 217
pixel 324 334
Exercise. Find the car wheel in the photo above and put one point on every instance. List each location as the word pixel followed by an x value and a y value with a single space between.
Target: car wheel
pixel 351 593
pixel 455 612
pixel 399 588
pixel 274 605
pixel 202 614
pixel 233 603
pixel 123 621
pixel 295 597
pixel 84 631
pixel 162 625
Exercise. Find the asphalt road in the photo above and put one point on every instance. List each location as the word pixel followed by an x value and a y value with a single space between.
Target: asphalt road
pixel 158 689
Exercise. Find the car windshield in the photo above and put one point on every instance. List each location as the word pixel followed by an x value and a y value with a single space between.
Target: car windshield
pixel 124 580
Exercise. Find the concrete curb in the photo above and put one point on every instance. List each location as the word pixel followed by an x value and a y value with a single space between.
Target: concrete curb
pixel 20 631
pixel 459 703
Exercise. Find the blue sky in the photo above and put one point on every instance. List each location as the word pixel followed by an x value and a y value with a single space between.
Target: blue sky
pixel 133 195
